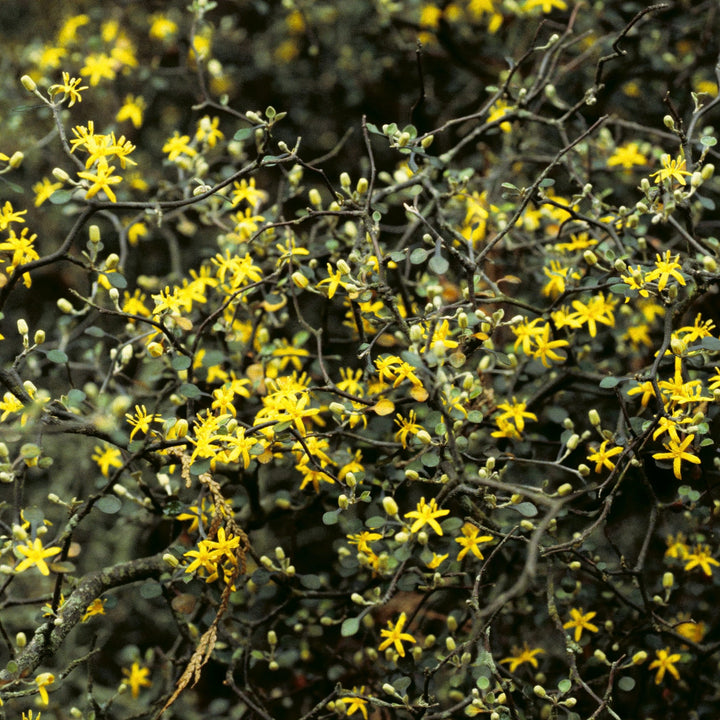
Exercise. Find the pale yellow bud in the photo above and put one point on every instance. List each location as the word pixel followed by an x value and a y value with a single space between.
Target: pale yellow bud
pixel 60 174
pixel 390 506
pixel 590 257
pixel 170 560
pixel 28 83
pixel 315 198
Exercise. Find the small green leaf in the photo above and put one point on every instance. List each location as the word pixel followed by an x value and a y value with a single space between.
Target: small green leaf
pixel 181 362
pixel 75 397
pixel 57 356
pixel 244 134
pixel 33 515
pixel 60 197
pixel 626 683
pixel 708 140
pixel 418 256
pixel 109 504
pixel 311 582
pixel 438 264
pixel 376 521
pixel 330 517
pixel 610 382
pixel 150 589
pixel 526 509
pixel 349 627
pixel 564 685
pixel 190 391
pixel 261 577
pixel 117 280
pixel 711 343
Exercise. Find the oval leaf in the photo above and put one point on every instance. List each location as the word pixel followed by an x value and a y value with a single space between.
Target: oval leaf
pixel 109 504
pixel 349 627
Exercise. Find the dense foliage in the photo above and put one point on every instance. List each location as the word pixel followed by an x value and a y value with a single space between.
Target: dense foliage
pixel 395 398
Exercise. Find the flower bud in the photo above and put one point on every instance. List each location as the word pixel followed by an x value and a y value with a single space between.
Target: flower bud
pixel 16 160
pixel 424 437
pixel 315 198
pixel 39 338
pixel 64 305
pixel 343 502
pixel 60 174
pixel 590 257
pixel 639 657
pixel 272 637
pixel 564 489
pixel 390 506
pixel 170 560
pixel 540 691
pixel 22 326
pixel 707 171
pixel 28 83
pixel 594 417
pixel 300 280
pixel 668 580
pixel 20 639
pixel 94 234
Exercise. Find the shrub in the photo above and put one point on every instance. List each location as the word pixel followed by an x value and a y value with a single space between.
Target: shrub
pixel 393 399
